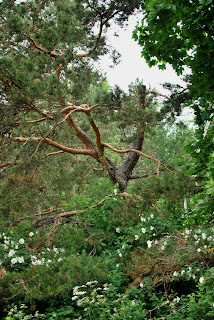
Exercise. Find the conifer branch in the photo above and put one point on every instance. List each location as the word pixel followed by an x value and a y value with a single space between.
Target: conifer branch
pixel 141 154
pixel 36 46
pixel 6 164
pixel 158 94
pixel 78 131
pixel 54 144
pixel 54 153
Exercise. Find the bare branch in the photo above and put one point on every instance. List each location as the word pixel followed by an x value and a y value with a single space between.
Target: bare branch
pixel 54 153
pixel 79 132
pixel 35 121
pixel 158 94
pixel 82 108
pixel 140 153
pixel 96 169
pixel 6 164
pixel 55 145
pixel 85 108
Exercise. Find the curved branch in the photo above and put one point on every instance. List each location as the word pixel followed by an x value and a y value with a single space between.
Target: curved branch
pixel 141 154
pixel 85 54
pixel 55 145
pixel 79 132
pixel 158 94
pixel 67 111
pixel 54 153
pixel 82 108
pixel 36 46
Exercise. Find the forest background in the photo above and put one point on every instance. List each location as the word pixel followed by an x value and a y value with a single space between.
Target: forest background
pixel 106 198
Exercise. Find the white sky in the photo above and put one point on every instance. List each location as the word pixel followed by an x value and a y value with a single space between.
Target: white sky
pixel 132 65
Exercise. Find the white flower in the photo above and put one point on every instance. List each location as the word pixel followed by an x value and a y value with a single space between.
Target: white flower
pixel 6 242
pixel 115 192
pixel 20 259
pixel 79 293
pixel 201 280
pixel 195 236
pixel 37 262
pixel 141 284
pixel 162 248
pixel 151 228
pixel 143 219
pixel 175 274
pixel 49 261
pixel 11 253
pixel 182 272
pixel 21 241
pixel 143 230
pixel 60 259
pixel 89 283
pixel 152 216
pixel 16 246
pixel 136 237
pixel 118 230
pixel 31 234
pixel 117 265
pixel 13 261
pixel 193 276
pixel 149 243
pixel 120 254
pixel 199 250
pixel 133 302
pixel 74 298
pixel 177 299
pixel 204 235
pixel 154 234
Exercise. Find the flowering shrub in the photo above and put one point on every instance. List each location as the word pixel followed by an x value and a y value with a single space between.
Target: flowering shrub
pixel 17 255
pixel 107 266
pixel 22 313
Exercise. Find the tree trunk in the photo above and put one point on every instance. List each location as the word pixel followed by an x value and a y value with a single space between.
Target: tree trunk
pixel 123 173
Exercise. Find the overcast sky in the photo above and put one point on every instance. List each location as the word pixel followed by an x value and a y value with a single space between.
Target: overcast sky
pixel 132 65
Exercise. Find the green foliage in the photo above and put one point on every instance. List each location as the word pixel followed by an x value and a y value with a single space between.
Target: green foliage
pixel 139 255
pixel 181 33
pixel 111 264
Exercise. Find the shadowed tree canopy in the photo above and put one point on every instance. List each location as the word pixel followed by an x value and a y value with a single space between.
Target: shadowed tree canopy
pixel 181 33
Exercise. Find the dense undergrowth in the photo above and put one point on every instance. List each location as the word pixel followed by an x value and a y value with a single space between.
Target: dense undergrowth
pixel 122 260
